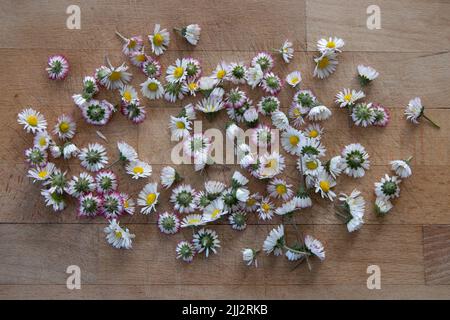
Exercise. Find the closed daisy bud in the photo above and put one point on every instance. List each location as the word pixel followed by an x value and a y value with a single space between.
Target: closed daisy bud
pixel 366 74
pixel 315 247
pixel 169 176
pixel 319 113
pixel 191 33
pixel 402 168
pixel 57 67
pixel 382 205
pixel 414 110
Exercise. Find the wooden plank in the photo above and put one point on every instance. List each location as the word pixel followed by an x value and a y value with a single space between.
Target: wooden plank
pixel 227 25
pixel 436 251
pixel 417 75
pixel 406 25
pixel 40 254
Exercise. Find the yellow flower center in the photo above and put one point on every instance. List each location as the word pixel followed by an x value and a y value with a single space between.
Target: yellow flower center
pixel 220 74
pixel 272 163
pixel 151 197
pixel 348 97
pixel 126 204
pixel 193 221
pixel 281 189
pixel 297 113
pixel 131 44
pixel 42 174
pixel 180 125
pixel 265 207
pixel 215 213
pixel 32 120
pixel 118 234
pixel 178 72
pixel 325 186
pixel 127 96
pixel 64 127
pixel 251 202
pixel 114 76
pixel 311 165
pixel 152 86
pixel 138 170
pixel 42 141
pixel 331 44
pixel 293 140
pixel 140 57
pixel 323 63
pixel 294 80
pixel 313 133
pixel 192 86
pixel 158 39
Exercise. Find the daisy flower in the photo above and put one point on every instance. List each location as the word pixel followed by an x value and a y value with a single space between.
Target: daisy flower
pixel 254 75
pixel 295 253
pixel 355 160
pixel 291 140
pixel 264 60
pixel 312 147
pixel 151 68
pixel 335 166
pixel 402 168
pixel 191 33
pixel 127 94
pixel 353 207
pixel 286 51
pixel 93 157
pixel 139 169
pixel 314 131
pixel 54 200
pixel 191 86
pixel 169 176
pixel 279 189
pixel 130 45
pixel 249 256
pixel 126 152
pixel 297 114
pixel 106 181
pixel 188 111
pixel 306 99
pixel 127 203
pixel 57 181
pixel 159 40
pixel 414 110
pixel 366 74
pixel 185 251
pixel 183 199
pixel 97 112
pixel 262 136
pixel 242 194
pixel 42 140
pixel 90 89
pixel 207 84
pixel 325 65
pixel 179 127
pixel 271 83
pixel 193 68
pixel 89 205
pixel 192 220
pixel 134 111
pixel 168 223
pixel 230 199
pixel 206 240
pixel 382 205
pixel 271 165
pixel 252 202
pixel 148 198
pixel 221 72
pixel 80 185
pixel 177 73
pixel 138 58
pixel 33 121
pixel 235 98
pixel 41 173
pixel 269 104
pixel 237 114
pixel 57 67
pixel 265 209
pixel 112 205
pixel 35 156
pixel 214 210
pixel 315 247
pixel 275 241
pixel 174 91
pixel 330 45
pixel 319 113
pixel 309 165
pixel 381 115
pixel 210 105
pixel 69 150
pixel 251 117
pixel 302 199
pixel 117 237
pixel 238 220
pixel 363 114
pixel 65 127
pixel 388 187
pixel 152 89
pixel 236 72
pixel 294 78
pixel 287 208
pixel 323 184
pixel 347 97
pixel 115 78
pixel 238 180
pixel 196 144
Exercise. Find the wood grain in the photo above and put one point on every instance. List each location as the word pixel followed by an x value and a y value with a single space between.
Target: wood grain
pixel 411 245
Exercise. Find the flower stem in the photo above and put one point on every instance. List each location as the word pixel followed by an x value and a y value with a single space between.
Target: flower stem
pixel 432 122
pixel 113 164
pixel 108 62
pixel 296 251
pixel 125 39
pixel 177 29
pixel 409 159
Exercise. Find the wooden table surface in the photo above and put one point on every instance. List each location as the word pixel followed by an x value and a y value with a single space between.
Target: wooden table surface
pixel 411 245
